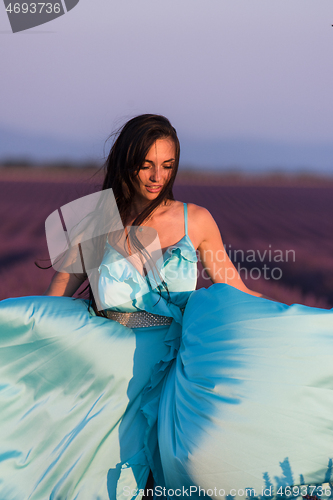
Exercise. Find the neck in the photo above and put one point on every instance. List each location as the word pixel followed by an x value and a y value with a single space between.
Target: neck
pixel 138 206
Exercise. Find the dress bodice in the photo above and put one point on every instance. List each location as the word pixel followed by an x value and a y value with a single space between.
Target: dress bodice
pixel 122 288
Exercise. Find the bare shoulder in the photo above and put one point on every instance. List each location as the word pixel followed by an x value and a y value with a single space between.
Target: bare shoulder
pixel 199 215
pixel 201 224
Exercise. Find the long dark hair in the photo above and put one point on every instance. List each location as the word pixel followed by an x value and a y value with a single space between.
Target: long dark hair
pixel 128 152
pixel 127 155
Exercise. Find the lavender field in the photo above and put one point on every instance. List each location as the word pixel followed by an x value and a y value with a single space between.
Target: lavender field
pixel 280 237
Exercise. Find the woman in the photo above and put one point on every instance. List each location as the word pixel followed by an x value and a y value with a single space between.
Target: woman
pixel 209 389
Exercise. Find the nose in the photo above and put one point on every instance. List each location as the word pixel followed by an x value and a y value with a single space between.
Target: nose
pixel 155 175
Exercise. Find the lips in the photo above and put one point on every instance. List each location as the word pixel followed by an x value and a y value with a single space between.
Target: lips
pixel 153 189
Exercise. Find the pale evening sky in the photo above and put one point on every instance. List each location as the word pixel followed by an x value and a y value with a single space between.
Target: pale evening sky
pixel 239 79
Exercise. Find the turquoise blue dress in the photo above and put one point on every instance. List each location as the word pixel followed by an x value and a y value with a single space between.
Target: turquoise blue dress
pixel 235 393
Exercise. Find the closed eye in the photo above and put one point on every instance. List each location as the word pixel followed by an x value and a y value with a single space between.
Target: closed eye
pixel 146 166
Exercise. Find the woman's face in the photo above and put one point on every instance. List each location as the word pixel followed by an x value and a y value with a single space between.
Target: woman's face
pixel 156 169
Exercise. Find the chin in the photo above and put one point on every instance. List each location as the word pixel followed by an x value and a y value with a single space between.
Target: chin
pixel 152 196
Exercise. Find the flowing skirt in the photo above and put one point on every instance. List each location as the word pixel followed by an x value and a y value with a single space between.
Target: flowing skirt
pixel 247 408
pixel 79 398
pixel 238 402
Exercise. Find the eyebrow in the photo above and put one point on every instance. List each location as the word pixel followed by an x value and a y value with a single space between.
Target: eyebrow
pixel 152 163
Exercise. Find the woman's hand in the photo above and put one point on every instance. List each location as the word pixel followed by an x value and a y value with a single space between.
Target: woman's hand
pixel 213 255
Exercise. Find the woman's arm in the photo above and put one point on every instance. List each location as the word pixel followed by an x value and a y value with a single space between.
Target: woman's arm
pixel 213 255
pixel 65 284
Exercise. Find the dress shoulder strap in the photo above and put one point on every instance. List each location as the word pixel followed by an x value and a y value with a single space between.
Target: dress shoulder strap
pixel 185 217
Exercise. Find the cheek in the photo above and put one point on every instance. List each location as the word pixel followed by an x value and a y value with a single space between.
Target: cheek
pixel 141 177
pixel 168 174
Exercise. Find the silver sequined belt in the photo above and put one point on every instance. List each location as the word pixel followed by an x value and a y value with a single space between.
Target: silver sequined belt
pixel 139 319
